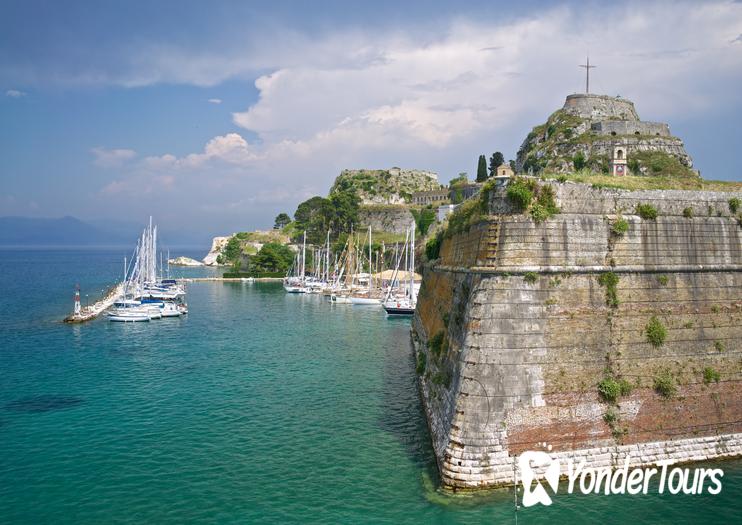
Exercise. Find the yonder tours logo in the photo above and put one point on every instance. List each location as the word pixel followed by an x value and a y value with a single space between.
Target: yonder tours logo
pixel 538 468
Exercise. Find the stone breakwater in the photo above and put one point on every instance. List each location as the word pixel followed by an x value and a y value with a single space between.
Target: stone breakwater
pixel 514 332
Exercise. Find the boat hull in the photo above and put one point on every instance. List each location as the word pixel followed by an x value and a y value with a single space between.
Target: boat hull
pixel 365 301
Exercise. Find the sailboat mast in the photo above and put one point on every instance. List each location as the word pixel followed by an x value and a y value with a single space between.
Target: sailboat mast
pixel 303 255
pixel 370 269
pixel 412 265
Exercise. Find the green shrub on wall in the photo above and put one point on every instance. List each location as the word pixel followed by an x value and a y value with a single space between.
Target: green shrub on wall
pixel 664 384
pixel 646 211
pixel 656 332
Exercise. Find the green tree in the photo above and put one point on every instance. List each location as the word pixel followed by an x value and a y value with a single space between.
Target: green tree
pixel 459 180
pixel 282 220
pixel 482 169
pixel 272 257
pixel 232 250
pixel 310 215
pixel 496 160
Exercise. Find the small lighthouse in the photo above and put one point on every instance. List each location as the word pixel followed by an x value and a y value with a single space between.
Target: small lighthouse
pixel 77 301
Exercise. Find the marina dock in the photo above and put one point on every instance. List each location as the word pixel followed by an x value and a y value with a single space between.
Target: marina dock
pixel 90 312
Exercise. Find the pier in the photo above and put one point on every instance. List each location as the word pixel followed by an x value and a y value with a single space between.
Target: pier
pixel 92 311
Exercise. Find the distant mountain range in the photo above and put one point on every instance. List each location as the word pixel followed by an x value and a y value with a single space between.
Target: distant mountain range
pixel 70 231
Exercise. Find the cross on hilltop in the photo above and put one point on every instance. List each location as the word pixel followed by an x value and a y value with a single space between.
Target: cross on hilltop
pixel 587 67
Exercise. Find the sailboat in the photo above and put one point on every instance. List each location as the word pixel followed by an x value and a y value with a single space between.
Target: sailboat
pixel 296 283
pixel 405 304
pixel 146 294
pixel 366 298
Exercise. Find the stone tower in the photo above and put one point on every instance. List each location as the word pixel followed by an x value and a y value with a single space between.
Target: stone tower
pixel 618 165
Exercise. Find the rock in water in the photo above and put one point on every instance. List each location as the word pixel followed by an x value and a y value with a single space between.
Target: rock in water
pixel 184 261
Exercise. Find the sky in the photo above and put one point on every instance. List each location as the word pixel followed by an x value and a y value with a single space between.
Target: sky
pixel 216 116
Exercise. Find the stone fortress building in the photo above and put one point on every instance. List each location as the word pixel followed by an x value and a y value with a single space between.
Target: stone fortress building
pixel 593 126
pixel 523 325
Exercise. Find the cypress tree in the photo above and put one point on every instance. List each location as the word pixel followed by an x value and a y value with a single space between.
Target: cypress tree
pixel 482 169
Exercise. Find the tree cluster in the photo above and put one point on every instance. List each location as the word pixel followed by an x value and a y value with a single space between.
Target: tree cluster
pixel 337 213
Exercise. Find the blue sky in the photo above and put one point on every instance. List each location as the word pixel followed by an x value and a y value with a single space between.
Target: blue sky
pixel 216 116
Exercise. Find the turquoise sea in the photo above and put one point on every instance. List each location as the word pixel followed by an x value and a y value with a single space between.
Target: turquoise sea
pixel 258 407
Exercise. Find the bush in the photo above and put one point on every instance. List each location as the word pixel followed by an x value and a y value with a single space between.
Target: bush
pixel 610 281
pixel 530 277
pixel 646 211
pixel 688 212
pixel 719 346
pixel 664 384
pixel 545 205
pixel 561 179
pixel 656 332
pixel 579 161
pixel 734 204
pixel 609 389
pixel 662 279
pixel 620 226
pixel 610 416
pixel 520 193
pixel 709 374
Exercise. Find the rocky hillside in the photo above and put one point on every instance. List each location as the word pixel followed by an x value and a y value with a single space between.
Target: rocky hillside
pixel 583 133
pixel 392 186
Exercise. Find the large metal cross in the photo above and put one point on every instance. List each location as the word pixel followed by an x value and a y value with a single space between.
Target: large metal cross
pixel 587 67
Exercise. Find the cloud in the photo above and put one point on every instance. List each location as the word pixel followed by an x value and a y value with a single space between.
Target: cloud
pixel 14 93
pixel 385 97
pixel 111 158
pixel 215 100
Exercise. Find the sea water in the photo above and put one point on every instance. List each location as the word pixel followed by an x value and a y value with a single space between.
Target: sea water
pixel 256 407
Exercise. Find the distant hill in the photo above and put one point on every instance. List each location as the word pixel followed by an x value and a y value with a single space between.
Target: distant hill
pixel 392 186
pixel 65 231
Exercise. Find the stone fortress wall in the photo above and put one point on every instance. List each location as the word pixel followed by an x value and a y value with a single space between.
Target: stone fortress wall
pixel 513 359
pixel 600 107
pixel 630 127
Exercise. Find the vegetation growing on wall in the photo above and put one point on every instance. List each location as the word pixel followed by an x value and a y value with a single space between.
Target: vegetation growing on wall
pixel 424 217
pixel 421 363
pixel 611 388
pixel 524 193
pixel 665 384
pixel 656 332
pixel 646 211
pixel 710 374
pixel 433 246
pixel 620 226
pixel 610 281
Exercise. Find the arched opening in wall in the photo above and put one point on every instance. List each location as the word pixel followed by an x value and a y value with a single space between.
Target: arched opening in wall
pixel 657 134
pixel 619 154
pixel 637 133
pixel 613 133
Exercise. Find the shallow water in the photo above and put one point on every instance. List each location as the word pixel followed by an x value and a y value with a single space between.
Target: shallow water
pixel 257 407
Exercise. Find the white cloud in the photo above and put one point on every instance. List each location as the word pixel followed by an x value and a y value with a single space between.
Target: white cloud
pixel 215 100
pixel 382 98
pixel 112 158
pixel 15 93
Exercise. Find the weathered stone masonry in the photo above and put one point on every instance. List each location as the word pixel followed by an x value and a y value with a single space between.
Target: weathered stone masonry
pixel 520 361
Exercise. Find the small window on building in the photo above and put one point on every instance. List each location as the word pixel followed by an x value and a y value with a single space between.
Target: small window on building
pixel 619 154
pixel 637 133
pixel 613 133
